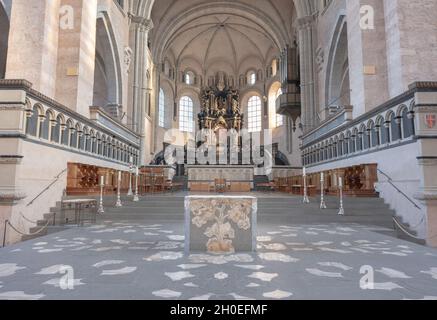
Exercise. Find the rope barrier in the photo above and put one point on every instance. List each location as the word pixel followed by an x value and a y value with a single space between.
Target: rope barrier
pixel 28 220
pixel 28 234
pixel 406 231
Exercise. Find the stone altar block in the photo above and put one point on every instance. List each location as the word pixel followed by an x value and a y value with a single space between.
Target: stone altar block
pixel 220 224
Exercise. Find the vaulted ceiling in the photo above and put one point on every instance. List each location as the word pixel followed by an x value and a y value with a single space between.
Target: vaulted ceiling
pixel 210 36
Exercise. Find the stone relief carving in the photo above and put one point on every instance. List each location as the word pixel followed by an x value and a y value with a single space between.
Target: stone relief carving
pixel 224 215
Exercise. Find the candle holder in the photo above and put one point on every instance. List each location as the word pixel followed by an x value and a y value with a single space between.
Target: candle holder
pixel 306 199
pixel 101 210
pixel 136 197
pixel 322 193
pixel 130 192
pixel 340 187
pixel 119 204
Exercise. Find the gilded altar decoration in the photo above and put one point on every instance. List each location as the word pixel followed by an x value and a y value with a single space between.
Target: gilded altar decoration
pixel 220 109
pixel 220 220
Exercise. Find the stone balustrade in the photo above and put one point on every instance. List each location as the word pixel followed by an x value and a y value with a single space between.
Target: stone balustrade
pixel 389 125
pixel 48 122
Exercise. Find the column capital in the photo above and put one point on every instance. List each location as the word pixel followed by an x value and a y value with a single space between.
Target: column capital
pixel 306 22
pixel 142 23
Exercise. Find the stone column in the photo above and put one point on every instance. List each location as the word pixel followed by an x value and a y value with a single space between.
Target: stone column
pixel 307 38
pixel 426 131
pixel 140 27
pixel 33 43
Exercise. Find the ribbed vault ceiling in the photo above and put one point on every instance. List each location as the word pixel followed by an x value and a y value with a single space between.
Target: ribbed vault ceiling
pixel 209 34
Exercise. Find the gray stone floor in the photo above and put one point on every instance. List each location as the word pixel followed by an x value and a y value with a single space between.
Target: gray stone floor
pixel 125 261
pixel 119 259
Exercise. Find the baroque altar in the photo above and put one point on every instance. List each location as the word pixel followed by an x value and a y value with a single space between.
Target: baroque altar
pixel 220 108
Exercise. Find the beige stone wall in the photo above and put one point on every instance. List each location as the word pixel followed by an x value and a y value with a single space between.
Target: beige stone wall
pixel 411 28
pixel 33 43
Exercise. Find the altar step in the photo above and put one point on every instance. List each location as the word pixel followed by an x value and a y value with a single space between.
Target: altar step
pixel 282 210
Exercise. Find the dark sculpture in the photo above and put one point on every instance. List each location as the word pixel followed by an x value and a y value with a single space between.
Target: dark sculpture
pixel 220 109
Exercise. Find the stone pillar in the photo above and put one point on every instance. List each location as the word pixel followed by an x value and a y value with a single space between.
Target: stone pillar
pixel 33 43
pixel 426 131
pixel 410 28
pixel 77 50
pixel 140 28
pixel 307 38
pixel 367 57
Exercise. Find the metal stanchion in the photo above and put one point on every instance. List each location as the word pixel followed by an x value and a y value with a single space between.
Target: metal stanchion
pixel 340 186
pixel 101 210
pixel 306 200
pixel 322 187
pixel 131 167
pixel 4 234
pixel 136 197
pixel 119 204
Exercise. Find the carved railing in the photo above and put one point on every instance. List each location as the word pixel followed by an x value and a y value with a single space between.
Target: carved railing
pixel 389 125
pixel 50 123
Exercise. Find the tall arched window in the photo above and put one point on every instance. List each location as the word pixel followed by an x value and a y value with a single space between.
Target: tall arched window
pixel 279 117
pixel 161 110
pixel 251 78
pixel 254 114
pixel 186 110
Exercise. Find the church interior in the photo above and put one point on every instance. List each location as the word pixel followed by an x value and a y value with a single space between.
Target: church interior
pixel 218 150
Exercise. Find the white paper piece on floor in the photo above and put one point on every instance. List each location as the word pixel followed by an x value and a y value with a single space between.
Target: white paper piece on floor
pixel 20 295
pixel 240 298
pixel 203 297
pixel 266 277
pixel 120 241
pixel 107 263
pixel 264 239
pixel 191 266
pixel 253 285
pixel 221 276
pixel 167 294
pixel 279 257
pixel 387 286
pixel 335 265
pixel 176 237
pixel 432 272
pixel 51 270
pixel 191 285
pixel 335 250
pixel 322 243
pixel 123 271
pixel 9 269
pixel 320 273
pixel 162 256
pixel 278 294
pixel 178 276
pixel 274 246
pixel 49 250
pixel 399 254
pixel 250 267
pixel 392 273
